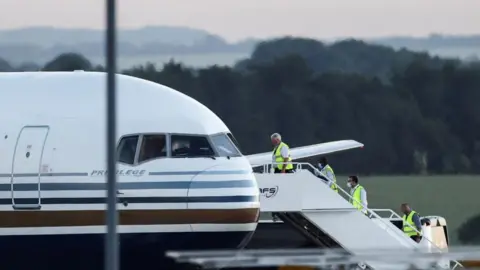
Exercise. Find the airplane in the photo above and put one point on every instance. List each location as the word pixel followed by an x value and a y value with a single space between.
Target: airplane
pixel 183 182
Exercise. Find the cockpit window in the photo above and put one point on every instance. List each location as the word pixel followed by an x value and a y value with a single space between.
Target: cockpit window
pixel 191 146
pixel 230 136
pixel 153 146
pixel 126 149
pixel 225 147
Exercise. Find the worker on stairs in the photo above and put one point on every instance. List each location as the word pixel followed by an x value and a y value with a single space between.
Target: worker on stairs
pixel 358 194
pixel 281 159
pixel 411 221
pixel 326 170
pixel 281 155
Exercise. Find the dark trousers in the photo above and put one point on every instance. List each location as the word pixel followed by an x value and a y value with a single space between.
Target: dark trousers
pixel 416 238
pixel 277 170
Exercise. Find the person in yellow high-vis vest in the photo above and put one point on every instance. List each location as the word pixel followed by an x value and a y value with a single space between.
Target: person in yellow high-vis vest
pixel 358 194
pixel 281 158
pixel 411 220
pixel 327 170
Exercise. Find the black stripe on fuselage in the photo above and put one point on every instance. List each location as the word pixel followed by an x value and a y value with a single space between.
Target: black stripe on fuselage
pixel 129 185
pixel 7 175
pixel 229 172
pixel 204 199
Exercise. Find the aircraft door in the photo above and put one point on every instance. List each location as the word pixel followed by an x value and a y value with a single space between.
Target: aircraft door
pixel 26 167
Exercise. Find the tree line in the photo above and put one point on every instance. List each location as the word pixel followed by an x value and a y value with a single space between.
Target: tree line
pixel 416 114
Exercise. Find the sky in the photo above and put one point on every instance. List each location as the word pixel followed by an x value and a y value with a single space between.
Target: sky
pixel 236 20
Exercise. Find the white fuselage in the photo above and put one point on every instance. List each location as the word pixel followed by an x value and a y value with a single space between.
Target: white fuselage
pixel 182 181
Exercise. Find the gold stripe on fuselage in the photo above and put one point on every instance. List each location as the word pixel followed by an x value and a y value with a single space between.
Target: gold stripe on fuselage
pixel 41 218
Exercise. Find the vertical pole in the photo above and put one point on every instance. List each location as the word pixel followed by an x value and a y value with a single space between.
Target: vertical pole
pixel 111 247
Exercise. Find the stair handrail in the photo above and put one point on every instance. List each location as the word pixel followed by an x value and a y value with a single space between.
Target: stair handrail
pixel 392 213
pixel 299 165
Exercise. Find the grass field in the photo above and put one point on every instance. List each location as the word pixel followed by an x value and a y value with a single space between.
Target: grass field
pixel 453 197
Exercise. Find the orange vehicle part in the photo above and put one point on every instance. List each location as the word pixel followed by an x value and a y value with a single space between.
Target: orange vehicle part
pixel 470 263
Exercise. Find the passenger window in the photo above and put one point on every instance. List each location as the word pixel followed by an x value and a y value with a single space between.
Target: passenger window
pixel 225 146
pixel 153 146
pixel 126 149
pixel 191 146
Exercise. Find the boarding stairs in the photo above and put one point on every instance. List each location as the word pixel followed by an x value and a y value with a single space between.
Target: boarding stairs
pixel 301 224
pixel 307 204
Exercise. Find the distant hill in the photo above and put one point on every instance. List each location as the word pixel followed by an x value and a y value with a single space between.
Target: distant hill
pixel 195 47
pixel 442 45
pixel 348 56
pixel 50 36
pixel 41 44
pixel 434 41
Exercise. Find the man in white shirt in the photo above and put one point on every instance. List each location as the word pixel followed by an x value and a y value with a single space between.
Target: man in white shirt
pixel 327 170
pixel 358 194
